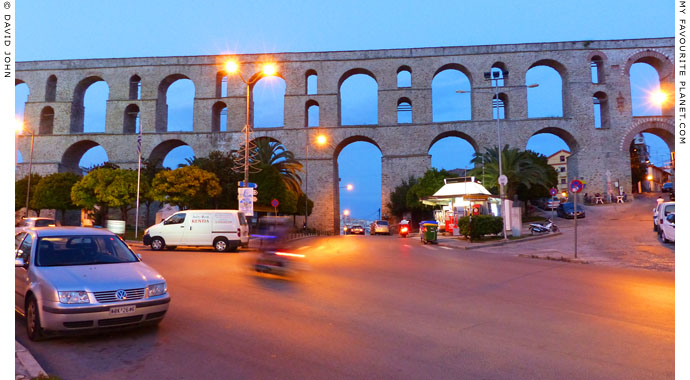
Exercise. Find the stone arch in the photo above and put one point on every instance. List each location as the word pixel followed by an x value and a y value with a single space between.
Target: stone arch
pixel 45 125
pixel 337 151
pixel 454 66
pixel 130 119
pixel 163 148
pixel 346 76
pixel 658 126
pixel 404 110
pixel 308 121
pixel 552 63
pixel 161 100
pixel 77 114
pixel 18 81
pixel 51 88
pixel 311 88
pixel 444 87
pixel 73 154
pixel 533 106
pixel 404 79
pixel 500 104
pixel 217 117
pixel 663 64
pixel 597 61
pixel 600 100
pixel 459 134
pixel 221 84
pixel 566 136
pixel 21 91
pixel 135 87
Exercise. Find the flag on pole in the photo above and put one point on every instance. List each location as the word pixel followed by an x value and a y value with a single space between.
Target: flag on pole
pixel 139 144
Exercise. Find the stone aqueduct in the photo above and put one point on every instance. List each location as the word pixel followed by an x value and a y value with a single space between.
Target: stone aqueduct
pixel 54 110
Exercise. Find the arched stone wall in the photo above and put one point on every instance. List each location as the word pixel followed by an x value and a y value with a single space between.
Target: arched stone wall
pixel 404 148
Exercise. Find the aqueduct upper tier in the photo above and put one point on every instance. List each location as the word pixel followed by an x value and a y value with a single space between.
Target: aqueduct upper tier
pixel 137 94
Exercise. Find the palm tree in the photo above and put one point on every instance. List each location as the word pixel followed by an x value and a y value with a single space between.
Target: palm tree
pixel 270 152
pixel 523 168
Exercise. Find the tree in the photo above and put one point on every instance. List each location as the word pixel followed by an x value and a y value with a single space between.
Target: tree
pixel 429 184
pixel 269 152
pixel 271 186
pixel 523 168
pixel 54 192
pixel 106 188
pixel 186 187
pixel 638 167
pixel 20 192
pixel 222 165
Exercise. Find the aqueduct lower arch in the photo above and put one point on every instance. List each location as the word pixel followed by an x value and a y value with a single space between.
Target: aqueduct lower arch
pixel 404 147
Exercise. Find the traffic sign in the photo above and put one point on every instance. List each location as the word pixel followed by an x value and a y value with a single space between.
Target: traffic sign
pixel 503 180
pixel 575 186
pixel 275 203
pixel 553 191
pixel 249 184
pixel 256 192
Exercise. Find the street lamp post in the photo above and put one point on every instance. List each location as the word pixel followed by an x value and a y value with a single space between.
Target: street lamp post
pixel 267 70
pixel 494 77
pixel 20 128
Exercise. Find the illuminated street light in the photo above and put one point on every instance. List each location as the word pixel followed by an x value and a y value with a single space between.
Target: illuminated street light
pixel 19 127
pixel 349 187
pixel 269 69
pixel 658 97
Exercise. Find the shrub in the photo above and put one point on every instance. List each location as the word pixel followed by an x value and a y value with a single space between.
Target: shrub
pixel 481 225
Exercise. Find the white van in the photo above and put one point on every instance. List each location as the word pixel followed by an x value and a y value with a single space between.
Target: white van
pixel 224 230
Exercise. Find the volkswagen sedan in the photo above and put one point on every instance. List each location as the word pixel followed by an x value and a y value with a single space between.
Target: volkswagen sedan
pixel 76 279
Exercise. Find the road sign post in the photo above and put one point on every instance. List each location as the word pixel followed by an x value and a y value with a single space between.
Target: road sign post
pixel 553 191
pixel 245 199
pixel 575 187
pixel 275 204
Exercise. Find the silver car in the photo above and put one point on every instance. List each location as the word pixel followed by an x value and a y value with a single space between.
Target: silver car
pixel 75 278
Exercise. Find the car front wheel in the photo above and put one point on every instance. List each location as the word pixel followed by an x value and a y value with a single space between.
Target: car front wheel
pixel 33 321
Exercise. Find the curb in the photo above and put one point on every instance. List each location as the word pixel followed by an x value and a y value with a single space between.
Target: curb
pixel 561 258
pixel 499 243
pixel 27 361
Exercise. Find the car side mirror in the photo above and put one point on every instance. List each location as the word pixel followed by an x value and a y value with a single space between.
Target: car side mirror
pixel 19 263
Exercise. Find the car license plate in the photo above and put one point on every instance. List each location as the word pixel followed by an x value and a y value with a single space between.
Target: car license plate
pixel 123 309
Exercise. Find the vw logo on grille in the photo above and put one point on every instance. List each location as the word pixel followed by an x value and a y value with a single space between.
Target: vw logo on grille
pixel 121 294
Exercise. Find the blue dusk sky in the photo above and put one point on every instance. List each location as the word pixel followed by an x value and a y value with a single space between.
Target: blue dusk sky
pixel 78 29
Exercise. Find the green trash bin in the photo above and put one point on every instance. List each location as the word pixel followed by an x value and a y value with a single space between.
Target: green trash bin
pixel 428 231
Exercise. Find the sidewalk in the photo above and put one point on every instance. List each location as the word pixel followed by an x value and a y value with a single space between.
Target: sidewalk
pixel 25 366
pixel 459 242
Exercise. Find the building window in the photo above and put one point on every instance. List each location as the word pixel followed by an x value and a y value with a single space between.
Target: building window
pixel 562 158
pixel 562 170
pixel 134 87
pixel 562 181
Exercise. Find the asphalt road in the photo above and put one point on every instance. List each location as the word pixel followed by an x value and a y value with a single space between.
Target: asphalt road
pixel 386 307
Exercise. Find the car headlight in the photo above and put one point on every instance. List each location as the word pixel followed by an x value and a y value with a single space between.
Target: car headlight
pixel 73 297
pixel 157 289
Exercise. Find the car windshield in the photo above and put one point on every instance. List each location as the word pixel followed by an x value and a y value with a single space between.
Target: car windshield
pixel 669 209
pixel 382 223
pixel 82 250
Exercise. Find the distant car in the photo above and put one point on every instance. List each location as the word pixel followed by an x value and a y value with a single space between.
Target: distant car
pixel 661 211
pixel 379 227
pixel 553 202
pixel 346 230
pixel 667 187
pixel 79 279
pixel 668 228
pixel 567 210
pixel 357 230
pixel 35 222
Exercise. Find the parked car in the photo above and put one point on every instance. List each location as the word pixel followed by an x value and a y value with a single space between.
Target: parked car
pixel 667 187
pixel 76 279
pixel 668 228
pixel 35 222
pixel 357 230
pixel 224 230
pixel 567 210
pixel 661 211
pixel 379 227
